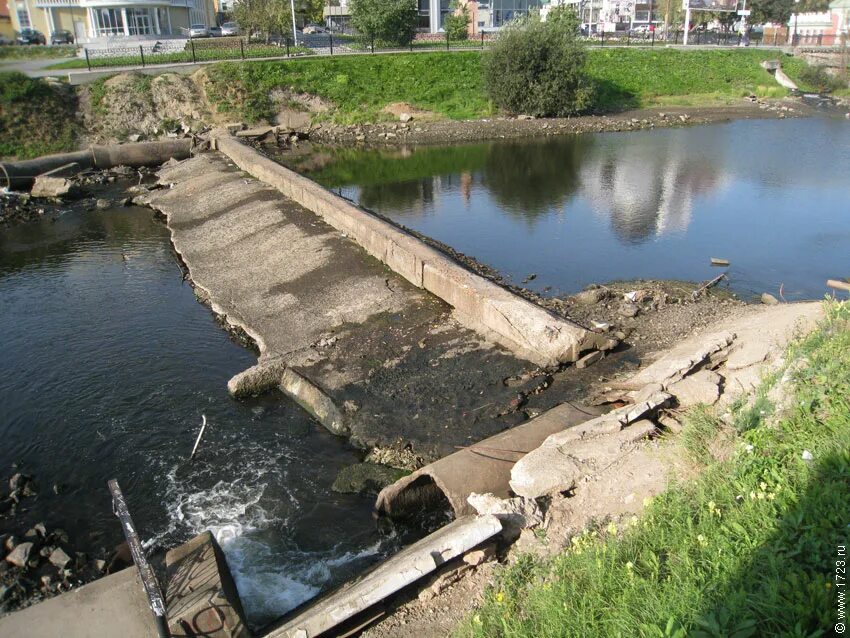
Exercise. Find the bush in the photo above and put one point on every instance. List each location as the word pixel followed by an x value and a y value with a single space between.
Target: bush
pixel 388 22
pixel 539 68
pixel 819 79
pixel 457 23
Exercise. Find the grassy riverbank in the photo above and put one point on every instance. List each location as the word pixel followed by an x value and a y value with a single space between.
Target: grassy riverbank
pixel 451 84
pixel 747 548
pixel 35 117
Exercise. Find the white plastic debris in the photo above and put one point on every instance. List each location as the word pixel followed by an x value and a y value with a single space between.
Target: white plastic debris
pixel 807 456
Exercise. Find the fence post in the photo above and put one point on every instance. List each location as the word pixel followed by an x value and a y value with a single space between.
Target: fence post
pixel 652 44
pixel 676 38
pixel 373 44
pixel 739 38
pixel 699 34
pixel 331 36
pixel 192 44
pixel 286 40
pixel 447 40
pixel 242 48
pixel 628 37
pixel 142 55
pixel 820 39
pixel 602 39
pixel 482 39
pixel 88 63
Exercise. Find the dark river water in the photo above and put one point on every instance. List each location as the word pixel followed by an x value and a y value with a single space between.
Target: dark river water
pixel 771 196
pixel 107 366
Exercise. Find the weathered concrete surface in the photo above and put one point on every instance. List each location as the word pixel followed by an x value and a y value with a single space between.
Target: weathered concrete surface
pixel 521 326
pixel 366 352
pixel 403 569
pixel 201 596
pixel 111 606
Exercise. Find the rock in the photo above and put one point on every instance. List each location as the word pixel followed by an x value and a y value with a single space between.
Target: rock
pixel 59 558
pixel 100 565
pixel 517 513
pixel 405 117
pixel 19 557
pixel 46 580
pixel 702 387
pixel 628 309
pixel 589 359
pixel 135 137
pixel 41 529
pixel 478 556
pixel 17 481
pixel 10 542
pixel 768 299
pixel 591 296
pixel 102 204
pixel 365 478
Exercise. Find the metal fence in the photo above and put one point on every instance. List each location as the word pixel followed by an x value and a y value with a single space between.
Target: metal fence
pixel 192 50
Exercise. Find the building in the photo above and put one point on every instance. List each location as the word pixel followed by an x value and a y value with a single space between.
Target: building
pixel 105 22
pixel 485 15
pixel 609 15
pixel 820 28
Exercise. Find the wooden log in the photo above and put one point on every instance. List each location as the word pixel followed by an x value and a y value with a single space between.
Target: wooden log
pixel 715 261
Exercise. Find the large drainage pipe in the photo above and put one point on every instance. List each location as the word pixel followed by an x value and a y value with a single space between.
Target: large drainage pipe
pixel 481 468
pixel 21 175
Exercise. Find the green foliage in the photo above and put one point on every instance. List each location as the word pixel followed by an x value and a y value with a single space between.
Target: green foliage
pixel 35 117
pixel 266 17
pixel 539 68
pixel 771 11
pixel 746 549
pixel 817 78
pixel 389 22
pixel 15 52
pixel 457 22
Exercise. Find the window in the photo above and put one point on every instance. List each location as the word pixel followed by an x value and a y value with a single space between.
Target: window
pixel 424 22
pixel 23 17
pixel 140 21
pixel 109 22
pixel 197 16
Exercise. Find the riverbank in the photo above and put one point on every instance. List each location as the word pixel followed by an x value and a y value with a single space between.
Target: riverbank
pixel 708 552
pixel 342 98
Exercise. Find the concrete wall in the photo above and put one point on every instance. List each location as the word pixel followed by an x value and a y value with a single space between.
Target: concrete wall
pixel 527 329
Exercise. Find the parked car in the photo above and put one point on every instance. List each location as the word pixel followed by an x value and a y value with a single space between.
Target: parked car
pixel 31 36
pixel 230 28
pixel 314 28
pixel 199 31
pixel 62 37
pixel 215 32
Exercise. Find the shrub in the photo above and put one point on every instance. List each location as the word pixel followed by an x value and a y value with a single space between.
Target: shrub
pixel 539 68
pixel 457 22
pixel 819 79
pixel 388 22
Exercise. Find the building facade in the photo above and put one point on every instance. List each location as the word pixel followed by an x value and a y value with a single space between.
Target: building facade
pixel 104 21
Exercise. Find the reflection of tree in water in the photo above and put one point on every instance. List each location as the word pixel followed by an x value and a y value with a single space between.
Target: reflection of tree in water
pixel 529 179
pixel 404 196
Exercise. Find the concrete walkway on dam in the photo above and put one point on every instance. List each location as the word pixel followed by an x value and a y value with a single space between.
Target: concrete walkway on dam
pixel 368 353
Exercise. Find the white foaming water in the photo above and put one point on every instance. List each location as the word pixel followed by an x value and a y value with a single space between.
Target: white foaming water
pixel 271 579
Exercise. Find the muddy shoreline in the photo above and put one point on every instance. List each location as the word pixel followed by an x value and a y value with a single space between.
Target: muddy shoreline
pixel 428 131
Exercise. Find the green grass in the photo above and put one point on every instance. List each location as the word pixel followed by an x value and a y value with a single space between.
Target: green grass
pixel 35 117
pixel 202 54
pixel 748 548
pixel 35 52
pixel 360 86
pixel 451 83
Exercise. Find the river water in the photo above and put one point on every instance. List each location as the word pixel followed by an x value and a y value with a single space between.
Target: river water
pixel 108 362
pixel 771 196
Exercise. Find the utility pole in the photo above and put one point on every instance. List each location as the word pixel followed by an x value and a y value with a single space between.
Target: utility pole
pixel 687 21
pixel 294 31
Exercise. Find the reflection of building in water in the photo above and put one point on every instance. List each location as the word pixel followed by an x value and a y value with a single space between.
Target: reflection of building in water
pixel 647 190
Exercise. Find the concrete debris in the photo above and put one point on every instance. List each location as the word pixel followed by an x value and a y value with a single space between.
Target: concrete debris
pixel 405 117
pixel 20 555
pixel 589 359
pixel 59 558
pixel 769 300
pixel 480 556
pixel 715 261
pixel 629 309
pixel 516 513
pixel 55 183
pixel 702 387
pixel 837 284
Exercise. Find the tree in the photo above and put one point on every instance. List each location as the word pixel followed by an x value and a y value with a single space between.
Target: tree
pixel 263 16
pixel 770 11
pixel 457 22
pixel 539 67
pixel 386 21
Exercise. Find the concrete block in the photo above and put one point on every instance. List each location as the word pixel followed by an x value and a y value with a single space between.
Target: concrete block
pixel 55 183
pixel 310 397
pixel 201 596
